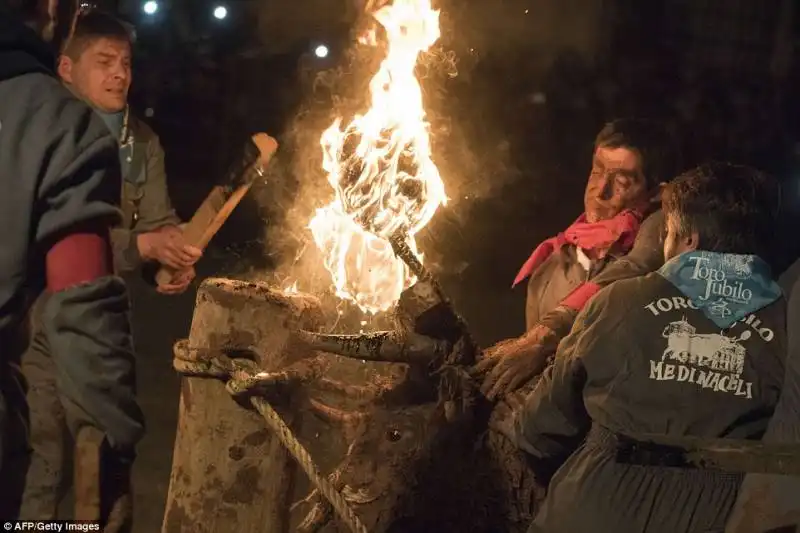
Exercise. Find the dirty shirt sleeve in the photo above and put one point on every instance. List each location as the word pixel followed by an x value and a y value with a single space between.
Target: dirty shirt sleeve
pixel 155 211
pixel 88 325
pixel 553 420
pixel 646 256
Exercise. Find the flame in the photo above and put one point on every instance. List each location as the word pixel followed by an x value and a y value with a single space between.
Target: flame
pixel 381 170
pixel 291 289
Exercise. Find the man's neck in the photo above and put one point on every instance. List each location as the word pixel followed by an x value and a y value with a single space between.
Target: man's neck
pixel 114 120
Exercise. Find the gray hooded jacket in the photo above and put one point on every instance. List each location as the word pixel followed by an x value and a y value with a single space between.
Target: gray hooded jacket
pixel 59 172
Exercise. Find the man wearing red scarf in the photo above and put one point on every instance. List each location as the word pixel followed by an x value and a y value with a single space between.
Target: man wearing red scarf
pixel 617 237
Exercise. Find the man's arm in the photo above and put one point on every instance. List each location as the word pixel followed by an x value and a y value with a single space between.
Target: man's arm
pixel 646 256
pixel 155 210
pixel 554 420
pixel 86 318
pixel 515 362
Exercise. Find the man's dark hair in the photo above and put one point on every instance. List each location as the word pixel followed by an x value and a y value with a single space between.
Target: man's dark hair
pixel 95 25
pixel 733 208
pixel 655 145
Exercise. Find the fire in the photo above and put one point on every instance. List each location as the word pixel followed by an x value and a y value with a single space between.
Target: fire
pixel 291 289
pixel 381 170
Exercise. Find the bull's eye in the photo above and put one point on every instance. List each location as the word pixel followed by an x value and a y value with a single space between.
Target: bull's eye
pixel 393 435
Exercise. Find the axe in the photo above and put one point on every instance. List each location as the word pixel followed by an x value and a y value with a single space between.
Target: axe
pixel 222 199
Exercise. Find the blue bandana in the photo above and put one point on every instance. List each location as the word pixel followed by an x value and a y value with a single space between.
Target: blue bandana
pixel 725 287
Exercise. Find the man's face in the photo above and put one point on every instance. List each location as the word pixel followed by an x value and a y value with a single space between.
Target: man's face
pixel 674 243
pixel 101 74
pixel 616 183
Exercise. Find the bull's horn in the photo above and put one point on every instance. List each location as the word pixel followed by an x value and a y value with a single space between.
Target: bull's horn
pixel 332 414
pixel 387 346
pixel 351 391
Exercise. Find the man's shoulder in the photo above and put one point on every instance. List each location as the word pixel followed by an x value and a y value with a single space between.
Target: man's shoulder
pixel 142 131
pixel 652 225
pixel 38 104
pixel 625 292
pixel 39 113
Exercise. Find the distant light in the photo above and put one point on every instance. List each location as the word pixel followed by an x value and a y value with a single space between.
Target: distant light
pixel 321 51
pixel 150 7
pixel 220 12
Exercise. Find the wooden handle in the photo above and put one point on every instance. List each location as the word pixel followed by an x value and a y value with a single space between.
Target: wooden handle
pixel 87 489
pixel 218 206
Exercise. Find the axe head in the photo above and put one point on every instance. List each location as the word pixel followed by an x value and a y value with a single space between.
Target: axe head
pixel 258 150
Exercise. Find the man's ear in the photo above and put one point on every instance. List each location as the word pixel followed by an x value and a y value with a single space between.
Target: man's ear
pixel 65 68
pixel 692 241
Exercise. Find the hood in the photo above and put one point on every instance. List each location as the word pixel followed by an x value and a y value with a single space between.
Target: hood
pixel 22 51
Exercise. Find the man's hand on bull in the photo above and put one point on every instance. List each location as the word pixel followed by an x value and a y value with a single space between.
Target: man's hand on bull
pixel 179 282
pixel 167 246
pixel 510 364
pixel 504 413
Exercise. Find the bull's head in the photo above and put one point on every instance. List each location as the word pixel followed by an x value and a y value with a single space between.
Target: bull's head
pixel 411 463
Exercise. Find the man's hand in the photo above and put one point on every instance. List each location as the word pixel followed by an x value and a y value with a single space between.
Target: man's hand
pixel 166 245
pixel 179 282
pixel 502 417
pixel 512 363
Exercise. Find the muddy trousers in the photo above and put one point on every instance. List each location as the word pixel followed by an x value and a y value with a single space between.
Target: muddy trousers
pixel 592 493
pixel 14 451
pixel 49 441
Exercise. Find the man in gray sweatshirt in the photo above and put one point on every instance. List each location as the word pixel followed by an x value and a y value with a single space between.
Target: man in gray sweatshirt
pixel 695 349
pixel 59 173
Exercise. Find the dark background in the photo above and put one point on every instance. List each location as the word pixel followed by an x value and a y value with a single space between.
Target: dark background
pixel 512 134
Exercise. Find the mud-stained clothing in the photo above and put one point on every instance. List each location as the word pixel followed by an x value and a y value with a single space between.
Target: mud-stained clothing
pixel 145 207
pixel 563 274
pixel 59 175
pixel 646 356
pixel 560 275
pixel 769 502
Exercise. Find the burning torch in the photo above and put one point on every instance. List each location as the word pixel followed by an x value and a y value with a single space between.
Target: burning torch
pixel 224 198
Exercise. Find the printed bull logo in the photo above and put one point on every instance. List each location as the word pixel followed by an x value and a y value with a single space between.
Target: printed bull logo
pixel 717 282
pixel 712 361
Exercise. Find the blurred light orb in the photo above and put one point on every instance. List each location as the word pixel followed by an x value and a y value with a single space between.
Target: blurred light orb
pixel 321 51
pixel 220 12
pixel 150 7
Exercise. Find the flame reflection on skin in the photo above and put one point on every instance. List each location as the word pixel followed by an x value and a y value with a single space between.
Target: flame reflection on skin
pixel 381 170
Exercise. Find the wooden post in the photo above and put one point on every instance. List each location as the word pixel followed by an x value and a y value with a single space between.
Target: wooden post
pixel 229 472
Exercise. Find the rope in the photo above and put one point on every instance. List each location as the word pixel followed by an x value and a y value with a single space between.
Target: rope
pixel 244 378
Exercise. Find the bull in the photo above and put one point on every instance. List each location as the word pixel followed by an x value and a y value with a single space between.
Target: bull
pixel 420 457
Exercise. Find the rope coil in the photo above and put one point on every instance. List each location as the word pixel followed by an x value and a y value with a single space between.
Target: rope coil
pixel 244 378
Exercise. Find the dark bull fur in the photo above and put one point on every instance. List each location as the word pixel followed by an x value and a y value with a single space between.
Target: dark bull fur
pixel 416 460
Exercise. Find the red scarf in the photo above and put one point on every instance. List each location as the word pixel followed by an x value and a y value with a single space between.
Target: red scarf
pixel 598 237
